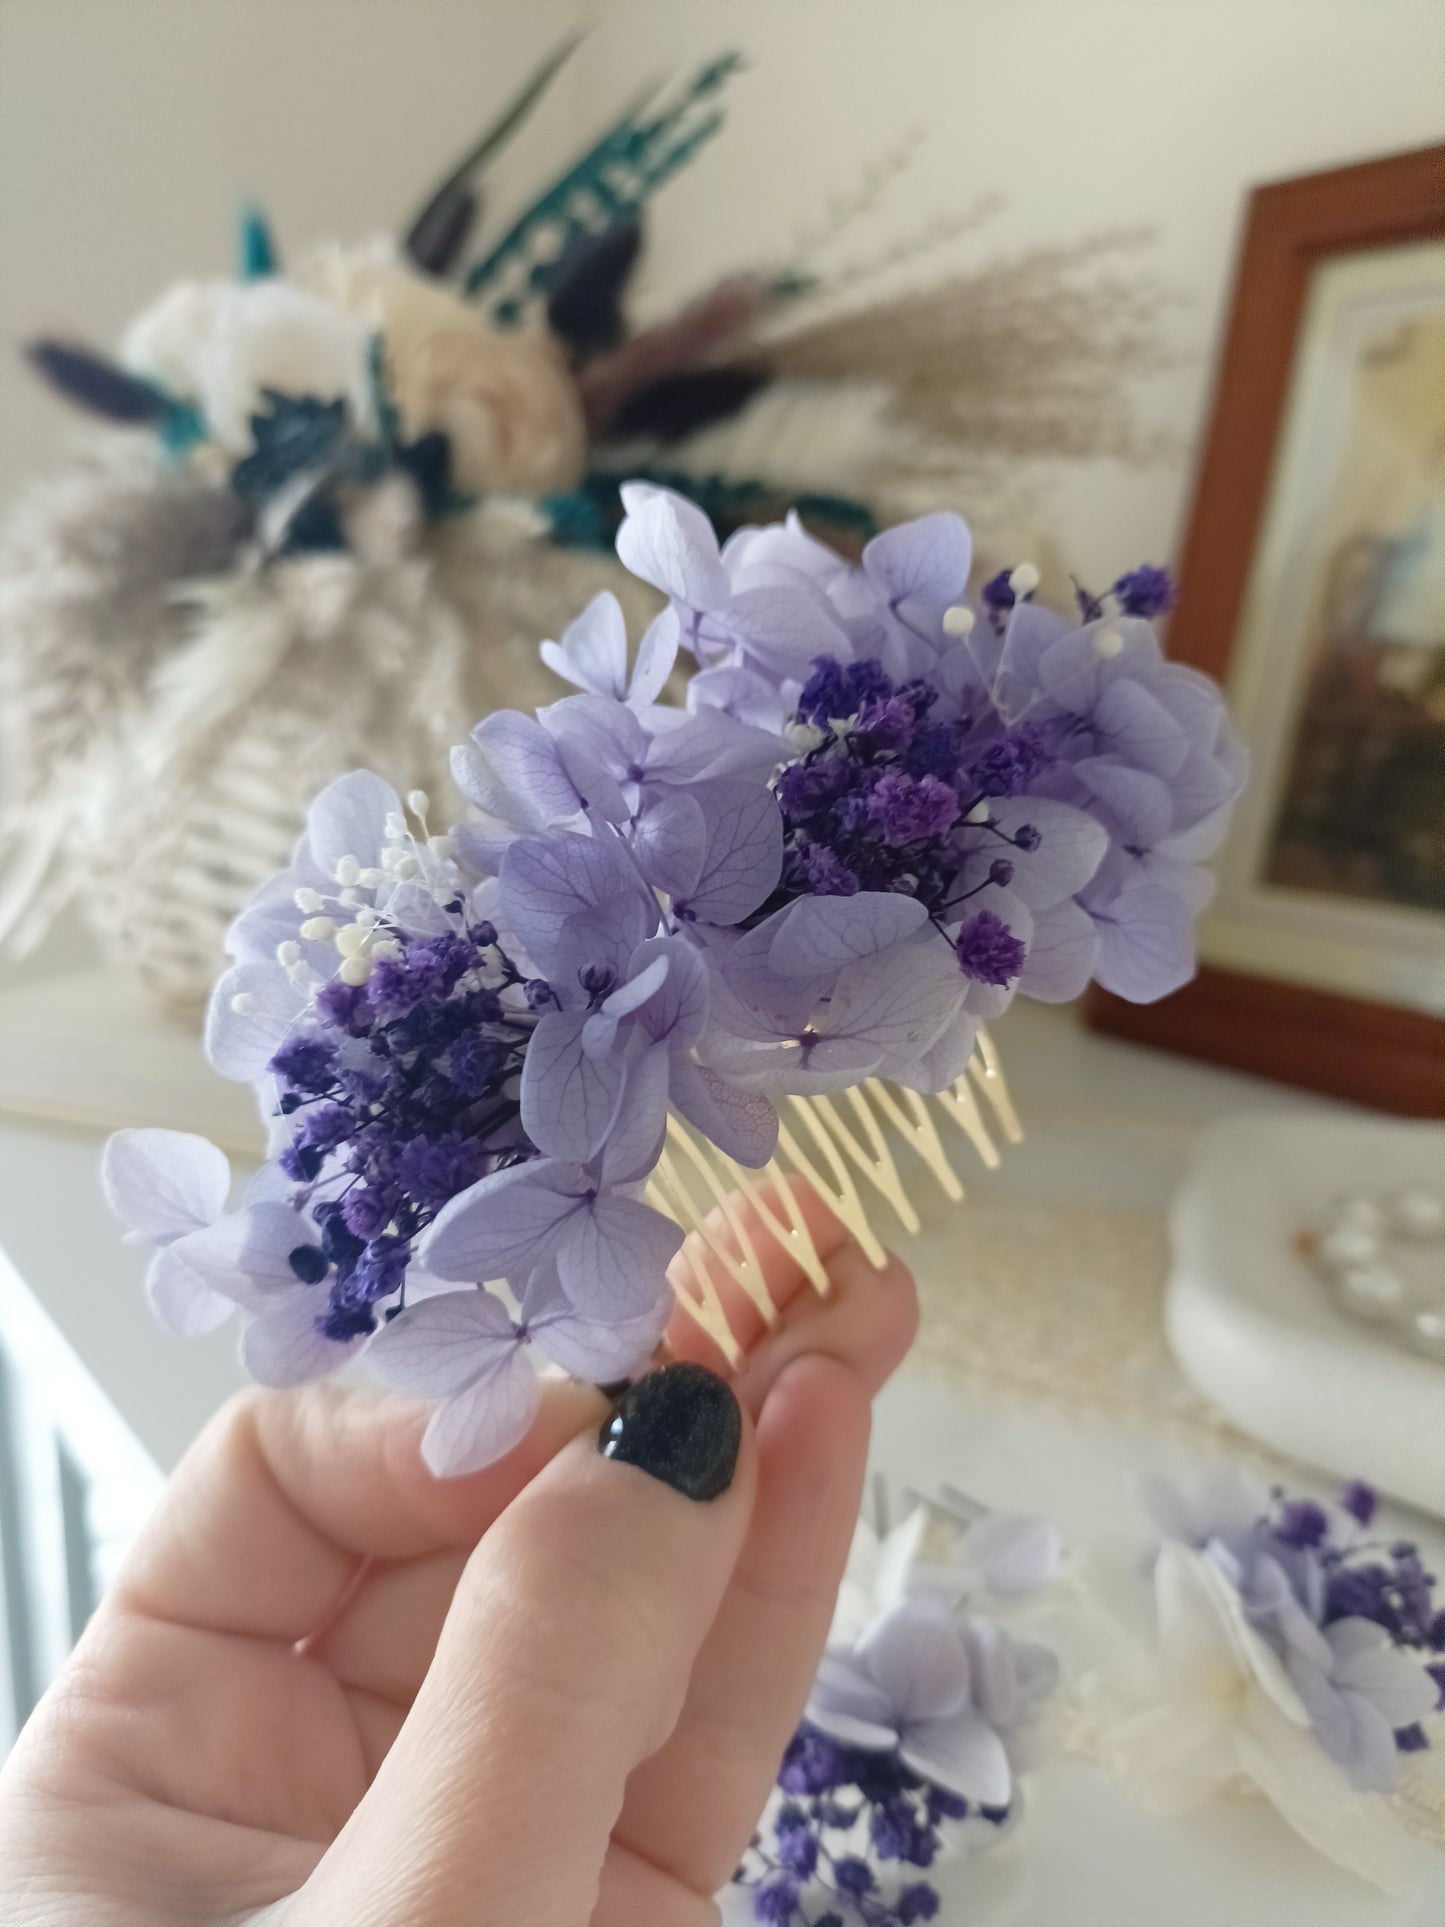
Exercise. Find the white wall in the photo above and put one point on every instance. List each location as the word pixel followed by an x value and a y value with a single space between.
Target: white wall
pixel 129 129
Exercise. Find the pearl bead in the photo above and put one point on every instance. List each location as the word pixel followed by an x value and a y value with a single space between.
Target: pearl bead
pixel 1370 1292
pixel 1427 1333
pixel 1416 1215
pixel 1347 1247
pixel 1360 1214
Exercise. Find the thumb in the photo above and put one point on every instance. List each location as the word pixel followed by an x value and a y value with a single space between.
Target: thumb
pixel 564 1662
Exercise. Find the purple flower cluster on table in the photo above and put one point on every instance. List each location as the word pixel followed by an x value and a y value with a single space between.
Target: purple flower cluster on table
pixel 1354 1621
pixel 916 1725
pixel 876 817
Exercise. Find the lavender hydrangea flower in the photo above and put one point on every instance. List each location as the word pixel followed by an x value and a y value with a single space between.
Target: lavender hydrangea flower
pixel 775 630
pixel 1344 1647
pixel 941 1694
pixel 169 1188
pixel 593 654
pixel 467 1350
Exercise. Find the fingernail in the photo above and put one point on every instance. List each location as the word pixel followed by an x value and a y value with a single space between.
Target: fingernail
pixel 681 1425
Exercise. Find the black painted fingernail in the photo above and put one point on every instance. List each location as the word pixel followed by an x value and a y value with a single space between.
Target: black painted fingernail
pixel 681 1425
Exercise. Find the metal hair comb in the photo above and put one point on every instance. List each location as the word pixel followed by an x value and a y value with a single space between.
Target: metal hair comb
pixel 843 1146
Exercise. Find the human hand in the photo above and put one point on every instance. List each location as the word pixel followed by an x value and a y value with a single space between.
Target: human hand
pixel 553 1693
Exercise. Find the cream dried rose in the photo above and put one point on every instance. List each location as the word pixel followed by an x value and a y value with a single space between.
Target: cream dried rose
pixel 507 400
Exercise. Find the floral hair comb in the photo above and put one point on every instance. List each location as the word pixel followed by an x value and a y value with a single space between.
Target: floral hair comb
pixel 677 945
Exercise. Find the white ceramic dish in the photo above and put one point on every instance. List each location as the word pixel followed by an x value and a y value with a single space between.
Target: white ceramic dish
pixel 1251 1320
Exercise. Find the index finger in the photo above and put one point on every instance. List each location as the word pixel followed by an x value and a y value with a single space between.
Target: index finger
pixel 269 1515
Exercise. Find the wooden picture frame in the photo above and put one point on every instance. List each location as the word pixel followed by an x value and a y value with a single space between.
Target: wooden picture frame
pixel 1369 1048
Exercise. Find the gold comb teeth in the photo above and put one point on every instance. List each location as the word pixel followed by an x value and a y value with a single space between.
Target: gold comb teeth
pixel 843 1148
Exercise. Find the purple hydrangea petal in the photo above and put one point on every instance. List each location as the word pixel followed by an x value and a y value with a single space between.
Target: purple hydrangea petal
pixel 1070 848
pixel 590 1348
pixel 783 629
pixel 668 841
pixel 240 1043
pixel 1009 664
pixel 670 543
pixel 1394 1682
pixel 1146 943
pixel 925 561
pixel 656 655
pixel 964 1755
pixel 677 1013
pixel 745 694
pixel 1348 1726
pixel 1140 730
pixel 785 1069
pixel 601 938
pixel 1062 954
pixel 479 1425
pixel 993 1675
pixel 569 1097
pixel 525 760
pixel 438 1347
pixel 504 1224
pixel 162 1184
pixel 743 854
pixel 181 1300
pixel 848 1704
pixel 742 1124
pixel 819 935
pixel 899 1000
pixel 282 1346
pixel 946 1059
pixel 917 1657
pixel 1206 786
pixel 509 813
pixel 599 792
pixel 246 1255
pixel 751 997
pixel 1137 805
pixel 645 979
pixel 608 732
pixel 1073 672
pixel 348 818
pixel 1199 842
pixel 613 1255
pixel 635 1138
pixel 691 748
pixel 593 650
pixel 547 879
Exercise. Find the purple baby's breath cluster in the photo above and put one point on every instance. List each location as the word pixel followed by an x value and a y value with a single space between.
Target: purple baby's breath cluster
pixel 848 1839
pixel 874 818
pixel 1355 1620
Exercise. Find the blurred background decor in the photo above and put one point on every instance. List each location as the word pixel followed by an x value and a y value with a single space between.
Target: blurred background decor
pixel 1314 584
pixel 337 505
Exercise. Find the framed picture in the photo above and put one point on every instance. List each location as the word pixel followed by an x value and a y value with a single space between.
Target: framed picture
pixel 1313 587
